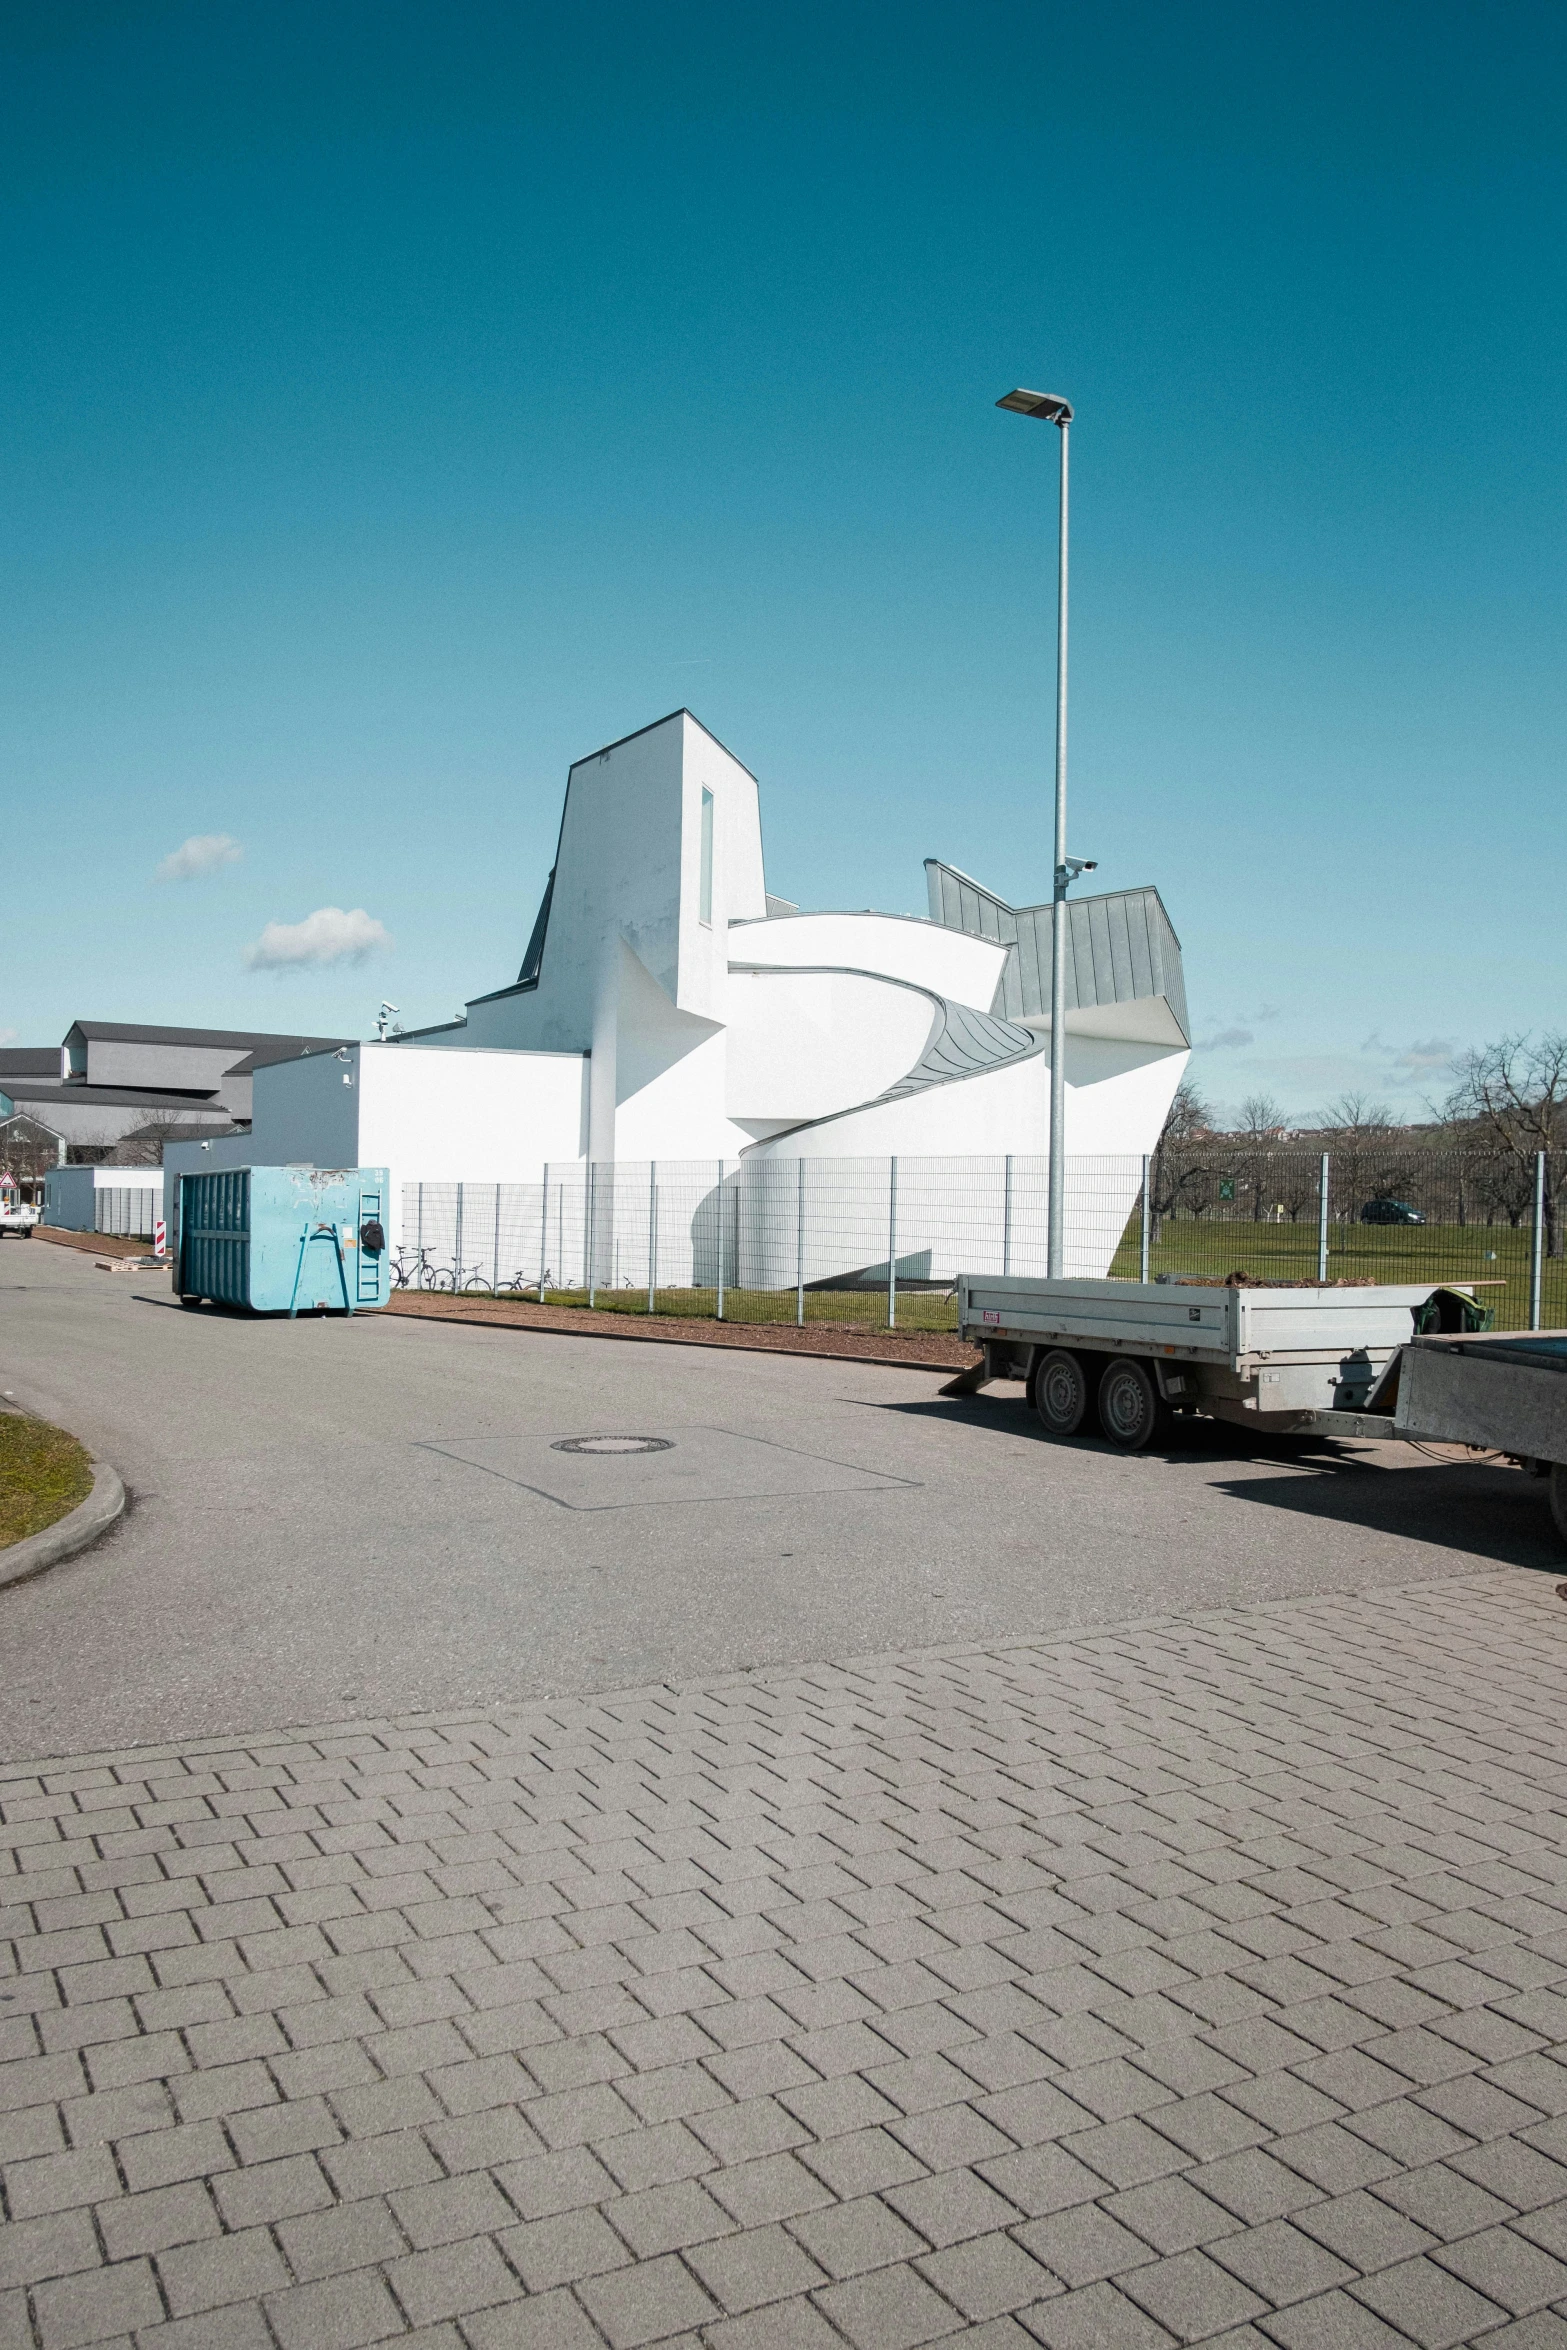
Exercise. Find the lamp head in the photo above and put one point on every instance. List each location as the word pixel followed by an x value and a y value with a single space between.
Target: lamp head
pixel 1048 406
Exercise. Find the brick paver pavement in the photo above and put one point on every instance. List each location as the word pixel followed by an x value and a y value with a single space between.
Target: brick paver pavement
pixel 1192 1981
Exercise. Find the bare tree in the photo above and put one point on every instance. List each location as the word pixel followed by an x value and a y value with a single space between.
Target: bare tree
pixel 1190 1119
pixel 143 1146
pixel 1515 1093
pixel 1261 1118
pixel 1357 1118
pixel 1261 1124
pixel 28 1150
pixel 1174 1180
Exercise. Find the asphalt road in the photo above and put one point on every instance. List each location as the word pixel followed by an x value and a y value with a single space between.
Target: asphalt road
pixel 331 1519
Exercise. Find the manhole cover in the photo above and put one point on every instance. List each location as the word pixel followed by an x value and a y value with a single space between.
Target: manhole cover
pixel 612 1444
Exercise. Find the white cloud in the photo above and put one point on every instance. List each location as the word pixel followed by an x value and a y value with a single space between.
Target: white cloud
pixel 1225 1040
pixel 8 1035
pixel 1416 1060
pixel 1422 1058
pixel 204 852
pixel 326 936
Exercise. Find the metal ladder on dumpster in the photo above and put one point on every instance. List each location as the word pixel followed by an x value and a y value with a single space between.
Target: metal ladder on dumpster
pixel 369 1266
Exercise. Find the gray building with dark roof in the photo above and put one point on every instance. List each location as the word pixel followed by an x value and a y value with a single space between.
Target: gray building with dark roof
pixel 110 1079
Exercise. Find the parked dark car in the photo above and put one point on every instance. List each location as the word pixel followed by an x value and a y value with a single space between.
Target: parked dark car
pixel 1390 1211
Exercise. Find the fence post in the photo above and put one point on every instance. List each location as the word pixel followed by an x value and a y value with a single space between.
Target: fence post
pixel 892 1244
pixel 799 1247
pixel 593 1189
pixel 652 1232
pixel 1537 1248
pixel 1006 1220
pixel 544 1228
pixel 1147 1230
pixel 1322 1224
pixel 419 1235
pixel 719 1204
pixel 457 1241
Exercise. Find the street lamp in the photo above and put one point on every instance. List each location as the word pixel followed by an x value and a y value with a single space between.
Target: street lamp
pixel 1051 409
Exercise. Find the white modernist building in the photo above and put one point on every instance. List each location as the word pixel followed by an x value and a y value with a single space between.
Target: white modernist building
pixel 669 1010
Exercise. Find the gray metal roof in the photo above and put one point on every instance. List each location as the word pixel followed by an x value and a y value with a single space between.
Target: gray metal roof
pixel 17 1060
pixel 72 1094
pixel 1120 947
pixel 962 1043
pixel 258 1042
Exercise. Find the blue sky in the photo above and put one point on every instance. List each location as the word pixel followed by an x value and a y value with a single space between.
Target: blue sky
pixel 400 401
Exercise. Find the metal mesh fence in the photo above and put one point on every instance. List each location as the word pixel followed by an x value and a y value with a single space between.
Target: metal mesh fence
pixel 1382 1212
pixel 858 1240
pixel 882 1241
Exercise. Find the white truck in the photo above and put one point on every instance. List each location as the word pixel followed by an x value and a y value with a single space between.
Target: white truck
pixel 1127 1359
pixel 17 1215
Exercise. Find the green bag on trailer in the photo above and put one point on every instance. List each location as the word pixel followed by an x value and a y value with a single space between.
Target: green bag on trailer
pixel 1452 1313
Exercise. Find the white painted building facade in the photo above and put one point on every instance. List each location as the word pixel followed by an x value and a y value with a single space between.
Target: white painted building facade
pixel 668 1010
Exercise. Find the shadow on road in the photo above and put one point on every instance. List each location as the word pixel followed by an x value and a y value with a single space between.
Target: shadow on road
pixel 1480 1508
pixel 1483 1508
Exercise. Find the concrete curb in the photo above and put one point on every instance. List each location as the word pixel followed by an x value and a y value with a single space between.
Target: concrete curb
pixel 69 1534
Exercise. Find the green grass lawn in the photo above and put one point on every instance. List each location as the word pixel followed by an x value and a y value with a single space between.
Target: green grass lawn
pixel 858 1309
pixel 1488 1253
pixel 43 1475
pixel 1361 1252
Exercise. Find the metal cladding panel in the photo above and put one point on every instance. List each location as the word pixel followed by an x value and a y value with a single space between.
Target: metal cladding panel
pixel 1120 947
pixel 1168 967
pixel 278 1239
pixel 1139 949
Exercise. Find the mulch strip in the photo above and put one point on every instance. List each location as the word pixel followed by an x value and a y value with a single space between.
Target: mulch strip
pixel 923 1350
pixel 97 1244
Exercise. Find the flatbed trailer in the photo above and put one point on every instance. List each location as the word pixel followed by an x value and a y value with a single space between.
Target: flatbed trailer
pixel 1129 1358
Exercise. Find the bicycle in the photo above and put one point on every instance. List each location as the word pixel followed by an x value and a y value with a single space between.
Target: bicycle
pixel 454 1278
pixel 520 1282
pixel 414 1269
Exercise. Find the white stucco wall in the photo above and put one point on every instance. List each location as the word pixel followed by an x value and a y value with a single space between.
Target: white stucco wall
pixel 806 1044
pixel 425 1115
pixel 968 970
pixel 486 1117
pixel 1116 1113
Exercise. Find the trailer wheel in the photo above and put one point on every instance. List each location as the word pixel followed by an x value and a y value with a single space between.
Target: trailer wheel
pixel 1062 1395
pixel 1559 1497
pixel 1132 1412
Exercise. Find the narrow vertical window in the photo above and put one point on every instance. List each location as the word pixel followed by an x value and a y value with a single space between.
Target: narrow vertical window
pixel 705 902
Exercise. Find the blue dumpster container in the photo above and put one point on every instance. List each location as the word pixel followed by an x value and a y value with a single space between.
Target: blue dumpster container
pixel 285 1240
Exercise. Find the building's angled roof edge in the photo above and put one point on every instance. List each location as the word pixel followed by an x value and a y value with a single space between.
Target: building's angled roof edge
pixel 435 1028
pixel 1133 889
pixel 89 1097
pixel 855 914
pixel 652 727
pixel 517 987
pixel 135 1032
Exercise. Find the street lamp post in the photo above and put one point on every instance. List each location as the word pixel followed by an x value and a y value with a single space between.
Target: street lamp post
pixel 1051 409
